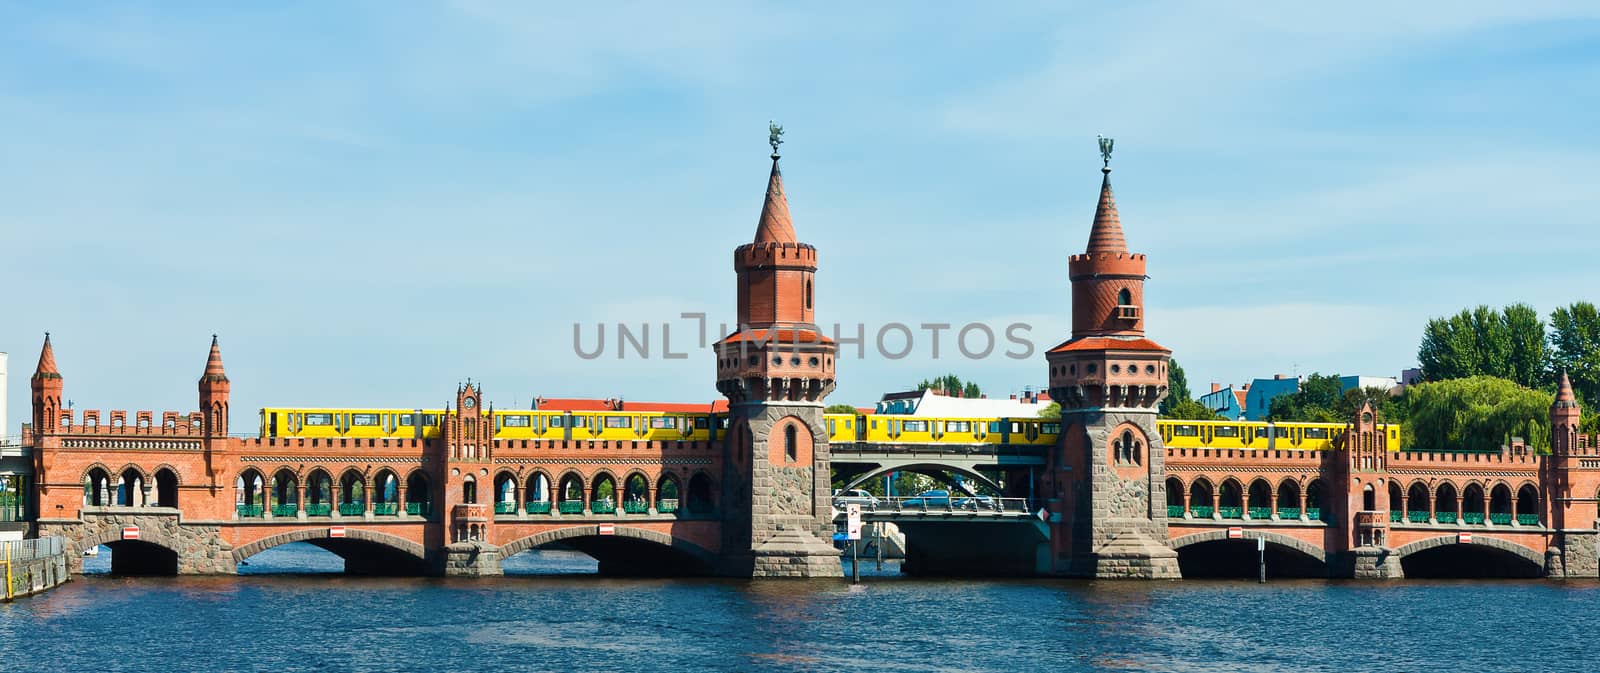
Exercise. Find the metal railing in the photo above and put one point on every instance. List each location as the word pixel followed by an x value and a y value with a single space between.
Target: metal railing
pixel 667 506
pixel 323 509
pixel 1202 511
pixel 538 507
pixel 1260 512
pixel 1501 519
pixel 635 507
pixel 1528 519
pixel 603 507
pixel 352 509
pixel 248 511
pixel 946 503
pixel 1417 517
pixel 1288 512
pixel 570 507
pixel 35 549
pixel 1231 512
pixel 1445 517
pixel 1314 513
pixel 1174 511
pixel 385 508
pixel 290 509
pixel 1396 516
pixel 1472 517
pixel 419 509
pixel 505 507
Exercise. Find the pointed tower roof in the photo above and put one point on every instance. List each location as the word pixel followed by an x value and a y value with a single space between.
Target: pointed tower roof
pixel 775 225
pixel 47 362
pixel 1564 394
pixel 214 370
pixel 1106 236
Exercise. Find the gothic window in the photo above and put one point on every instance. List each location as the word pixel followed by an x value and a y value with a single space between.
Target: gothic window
pixel 469 490
pixel 1124 297
pixel 790 447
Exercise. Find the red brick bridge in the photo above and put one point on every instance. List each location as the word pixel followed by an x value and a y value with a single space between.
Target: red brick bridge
pixel 176 493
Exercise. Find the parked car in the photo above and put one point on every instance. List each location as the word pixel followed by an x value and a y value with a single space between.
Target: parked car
pixel 929 499
pixel 855 496
pixel 978 502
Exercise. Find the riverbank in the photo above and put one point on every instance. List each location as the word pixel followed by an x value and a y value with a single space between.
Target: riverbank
pixel 33 566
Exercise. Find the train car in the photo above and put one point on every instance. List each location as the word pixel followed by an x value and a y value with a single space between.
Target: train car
pixel 350 423
pixel 842 428
pixel 1185 434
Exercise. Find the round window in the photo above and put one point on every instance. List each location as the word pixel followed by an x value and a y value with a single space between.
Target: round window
pixel 1116 369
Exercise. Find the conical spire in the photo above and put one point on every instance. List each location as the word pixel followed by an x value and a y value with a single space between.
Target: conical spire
pixel 1106 236
pixel 1564 395
pixel 214 370
pixel 775 225
pixel 47 362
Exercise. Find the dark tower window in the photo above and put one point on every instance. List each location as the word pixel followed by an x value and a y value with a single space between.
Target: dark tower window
pixel 808 294
pixel 1124 297
pixel 790 446
pixel 469 491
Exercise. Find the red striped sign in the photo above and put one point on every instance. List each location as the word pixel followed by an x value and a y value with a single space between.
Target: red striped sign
pixel 606 529
pixel 335 531
pixel 1464 538
pixel 1235 533
pixel 130 532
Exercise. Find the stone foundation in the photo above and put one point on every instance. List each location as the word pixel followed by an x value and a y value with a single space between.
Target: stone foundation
pixel 1129 557
pixel 199 547
pixel 1578 556
pixel 470 559
pixel 1373 563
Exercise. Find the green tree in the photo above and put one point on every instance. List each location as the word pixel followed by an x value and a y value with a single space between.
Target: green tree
pixel 1177 389
pixel 1479 413
pixel 1482 341
pixel 1318 401
pixel 1051 410
pixel 839 409
pixel 951 384
pixel 1575 341
pixel 1191 410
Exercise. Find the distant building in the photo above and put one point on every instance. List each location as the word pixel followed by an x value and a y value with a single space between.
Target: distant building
pixel 1261 392
pixel 932 402
pixel 1228 402
pixel 1384 383
pixel 1411 377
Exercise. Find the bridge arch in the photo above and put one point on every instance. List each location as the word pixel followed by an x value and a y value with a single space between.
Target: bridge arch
pixel 1484 556
pixel 364 551
pixel 1213 554
pixel 154 553
pixel 627 550
pixel 885 468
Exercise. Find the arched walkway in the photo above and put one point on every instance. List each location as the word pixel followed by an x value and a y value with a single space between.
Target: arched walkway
pixel 1212 554
pixel 629 551
pixel 1485 556
pixel 935 470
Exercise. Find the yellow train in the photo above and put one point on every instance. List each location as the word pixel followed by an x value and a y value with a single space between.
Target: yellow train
pixel 424 424
pixel 1259 435
pixel 841 428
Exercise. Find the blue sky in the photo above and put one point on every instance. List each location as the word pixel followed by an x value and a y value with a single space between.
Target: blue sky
pixel 372 201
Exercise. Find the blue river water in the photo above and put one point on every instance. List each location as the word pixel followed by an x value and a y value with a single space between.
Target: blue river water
pixel 290 610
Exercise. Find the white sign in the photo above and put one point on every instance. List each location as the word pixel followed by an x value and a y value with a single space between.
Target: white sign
pixel 1261 544
pixel 130 532
pixel 1464 538
pixel 1235 533
pixel 336 531
pixel 852 521
pixel 606 529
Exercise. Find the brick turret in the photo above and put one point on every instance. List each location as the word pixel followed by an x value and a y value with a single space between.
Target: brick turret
pixel 775 370
pixel 214 389
pixel 47 385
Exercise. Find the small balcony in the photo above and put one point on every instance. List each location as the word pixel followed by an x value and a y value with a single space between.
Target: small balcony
pixel 1127 312
pixel 470 512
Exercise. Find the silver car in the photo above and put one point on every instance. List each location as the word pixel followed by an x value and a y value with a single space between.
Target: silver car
pixel 855 496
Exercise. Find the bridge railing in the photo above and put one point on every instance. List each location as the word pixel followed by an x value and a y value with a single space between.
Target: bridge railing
pixel 950 503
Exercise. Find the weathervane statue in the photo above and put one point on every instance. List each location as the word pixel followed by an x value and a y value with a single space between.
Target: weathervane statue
pixel 774 137
pixel 1105 151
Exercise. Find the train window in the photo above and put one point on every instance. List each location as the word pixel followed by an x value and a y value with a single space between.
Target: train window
pixel 1261 433
pixel 515 422
pixel 994 426
pixel 1316 433
pixel 915 426
pixel 405 420
pixel 874 424
pixel 1225 431
pixel 430 419
pixel 722 423
pixel 663 423
pixel 1186 430
pixel 1050 428
pixel 319 419
pixel 558 422
pixel 700 424
pixel 619 422
pixel 364 419
pixel 958 426
pixel 1280 431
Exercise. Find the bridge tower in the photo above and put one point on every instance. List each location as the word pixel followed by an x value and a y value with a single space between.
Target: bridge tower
pixel 775 370
pixel 1105 490
pixel 1360 498
pixel 1567 488
pixel 467 439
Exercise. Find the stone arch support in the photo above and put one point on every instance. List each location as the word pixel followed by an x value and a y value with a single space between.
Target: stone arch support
pixel 1278 539
pixel 540 539
pixel 200 548
pixel 396 543
pixel 1481 540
